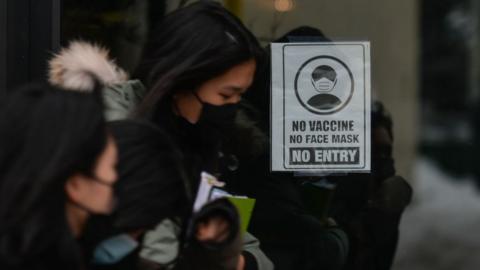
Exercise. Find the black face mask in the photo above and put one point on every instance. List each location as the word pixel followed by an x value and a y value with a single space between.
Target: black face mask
pixel 217 116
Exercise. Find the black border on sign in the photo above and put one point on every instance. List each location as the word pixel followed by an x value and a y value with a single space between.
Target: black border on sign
pixel 325 169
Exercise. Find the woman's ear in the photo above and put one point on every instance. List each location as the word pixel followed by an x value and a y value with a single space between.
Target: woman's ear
pixel 74 187
pixel 187 106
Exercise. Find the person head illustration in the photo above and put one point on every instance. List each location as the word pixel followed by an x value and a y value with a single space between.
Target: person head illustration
pixel 324 78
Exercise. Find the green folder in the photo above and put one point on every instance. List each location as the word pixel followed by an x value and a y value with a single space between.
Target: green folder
pixel 245 208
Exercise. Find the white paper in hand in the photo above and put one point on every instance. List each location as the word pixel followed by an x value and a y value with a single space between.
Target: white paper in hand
pixel 208 184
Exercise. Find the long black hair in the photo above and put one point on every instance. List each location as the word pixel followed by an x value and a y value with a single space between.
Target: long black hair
pixel 152 185
pixel 46 135
pixel 191 46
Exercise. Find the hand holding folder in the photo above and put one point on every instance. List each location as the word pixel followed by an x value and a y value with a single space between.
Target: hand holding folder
pixel 211 189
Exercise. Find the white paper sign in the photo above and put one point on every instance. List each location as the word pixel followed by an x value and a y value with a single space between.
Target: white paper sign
pixel 320 107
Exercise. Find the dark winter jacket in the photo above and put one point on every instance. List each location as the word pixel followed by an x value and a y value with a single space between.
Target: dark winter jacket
pixel 201 151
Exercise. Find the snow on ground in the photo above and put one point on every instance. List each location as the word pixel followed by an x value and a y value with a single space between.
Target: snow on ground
pixel 441 228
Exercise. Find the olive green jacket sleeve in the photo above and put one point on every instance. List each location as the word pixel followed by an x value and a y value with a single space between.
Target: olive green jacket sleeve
pixel 120 100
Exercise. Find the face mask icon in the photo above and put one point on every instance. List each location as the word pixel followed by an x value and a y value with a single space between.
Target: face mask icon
pixel 324 84
pixel 324 78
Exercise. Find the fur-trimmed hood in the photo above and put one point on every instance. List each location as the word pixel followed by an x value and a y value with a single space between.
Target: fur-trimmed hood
pixel 80 65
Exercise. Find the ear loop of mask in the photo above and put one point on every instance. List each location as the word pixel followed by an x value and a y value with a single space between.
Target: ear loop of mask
pixel 101 182
pixel 198 98
pixel 335 83
pixel 109 185
pixel 83 207
pixel 175 105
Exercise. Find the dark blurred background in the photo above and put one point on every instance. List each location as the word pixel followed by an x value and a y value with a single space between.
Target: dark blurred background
pixel 425 69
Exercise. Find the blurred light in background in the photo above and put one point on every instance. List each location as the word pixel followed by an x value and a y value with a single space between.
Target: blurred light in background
pixel 284 5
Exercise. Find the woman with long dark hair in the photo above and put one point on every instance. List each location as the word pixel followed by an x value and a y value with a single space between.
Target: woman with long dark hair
pixel 57 168
pixel 197 64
